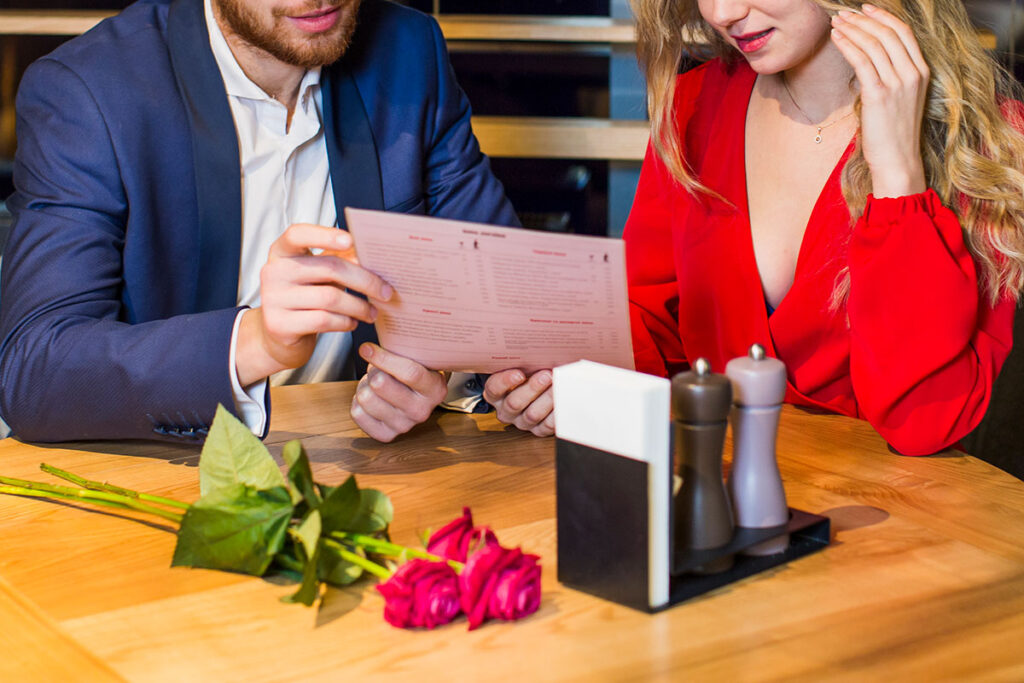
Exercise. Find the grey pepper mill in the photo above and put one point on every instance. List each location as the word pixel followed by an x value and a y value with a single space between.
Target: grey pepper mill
pixel 701 401
pixel 755 485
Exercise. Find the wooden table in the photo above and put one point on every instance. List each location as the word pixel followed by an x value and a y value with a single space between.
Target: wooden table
pixel 924 578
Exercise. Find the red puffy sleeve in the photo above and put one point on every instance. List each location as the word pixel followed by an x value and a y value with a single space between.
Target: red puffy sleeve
pixel 650 261
pixel 653 291
pixel 925 345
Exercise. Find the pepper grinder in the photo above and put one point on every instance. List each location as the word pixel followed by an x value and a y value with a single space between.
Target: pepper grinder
pixel 703 516
pixel 755 485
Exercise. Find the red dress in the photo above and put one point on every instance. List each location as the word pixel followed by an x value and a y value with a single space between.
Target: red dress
pixel 914 351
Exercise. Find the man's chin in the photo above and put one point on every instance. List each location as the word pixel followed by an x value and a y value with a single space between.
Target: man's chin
pixel 301 49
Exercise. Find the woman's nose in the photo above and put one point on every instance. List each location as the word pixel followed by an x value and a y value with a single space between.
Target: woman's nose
pixel 724 13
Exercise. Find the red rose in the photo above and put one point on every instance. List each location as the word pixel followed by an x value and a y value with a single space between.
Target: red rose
pixel 421 593
pixel 517 593
pixel 499 583
pixel 454 540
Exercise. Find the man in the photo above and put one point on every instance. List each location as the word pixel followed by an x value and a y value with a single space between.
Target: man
pixel 179 172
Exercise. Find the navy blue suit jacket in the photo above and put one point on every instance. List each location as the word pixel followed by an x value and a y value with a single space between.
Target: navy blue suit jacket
pixel 120 278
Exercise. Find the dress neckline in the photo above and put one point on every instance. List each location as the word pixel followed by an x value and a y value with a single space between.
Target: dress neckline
pixel 744 85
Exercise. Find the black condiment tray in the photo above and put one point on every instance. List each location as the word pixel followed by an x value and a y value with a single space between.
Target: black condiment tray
pixel 808 533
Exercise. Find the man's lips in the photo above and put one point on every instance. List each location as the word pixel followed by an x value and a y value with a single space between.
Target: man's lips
pixel 318 21
pixel 749 42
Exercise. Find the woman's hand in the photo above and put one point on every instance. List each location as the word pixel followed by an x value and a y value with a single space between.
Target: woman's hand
pixel 893 79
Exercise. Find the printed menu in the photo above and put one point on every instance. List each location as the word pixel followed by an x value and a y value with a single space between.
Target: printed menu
pixel 471 297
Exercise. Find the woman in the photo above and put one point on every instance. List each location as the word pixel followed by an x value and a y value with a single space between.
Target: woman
pixel 841 185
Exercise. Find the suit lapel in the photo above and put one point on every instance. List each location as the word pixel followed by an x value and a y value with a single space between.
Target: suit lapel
pixel 355 171
pixel 214 153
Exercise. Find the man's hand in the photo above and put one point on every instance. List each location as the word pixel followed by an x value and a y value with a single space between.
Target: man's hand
pixel 395 395
pixel 525 403
pixel 302 295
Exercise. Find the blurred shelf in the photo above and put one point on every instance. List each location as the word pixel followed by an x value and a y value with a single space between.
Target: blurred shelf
pixel 50 22
pixel 525 137
pixel 537 28
pixel 456 27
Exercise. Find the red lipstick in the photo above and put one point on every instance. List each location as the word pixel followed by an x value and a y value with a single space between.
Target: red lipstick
pixel 751 42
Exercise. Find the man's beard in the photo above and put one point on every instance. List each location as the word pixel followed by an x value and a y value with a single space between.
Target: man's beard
pixel 304 51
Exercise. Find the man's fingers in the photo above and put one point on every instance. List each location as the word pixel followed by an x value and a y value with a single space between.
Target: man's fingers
pixel 535 415
pixel 374 428
pixel 499 384
pixel 299 238
pixel 521 398
pixel 290 326
pixel 393 415
pixel 384 407
pixel 545 428
pixel 427 383
pixel 325 269
pixel 328 300
pixel 414 406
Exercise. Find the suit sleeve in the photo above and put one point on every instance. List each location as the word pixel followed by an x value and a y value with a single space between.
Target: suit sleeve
pixel 650 269
pixel 72 366
pixel 459 182
pixel 925 345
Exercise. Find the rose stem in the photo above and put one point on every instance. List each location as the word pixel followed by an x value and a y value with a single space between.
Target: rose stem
pixel 104 486
pixel 383 547
pixel 85 495
pixel 288 563
pixel 79 497
pixel 358 560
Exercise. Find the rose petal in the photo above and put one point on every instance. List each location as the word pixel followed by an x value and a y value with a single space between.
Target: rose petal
pixel 421 593
pixel 479 579
pixel 517 593
pixel 451 540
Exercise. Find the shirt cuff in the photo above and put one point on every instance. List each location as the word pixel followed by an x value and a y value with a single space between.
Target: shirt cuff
pixel 250 402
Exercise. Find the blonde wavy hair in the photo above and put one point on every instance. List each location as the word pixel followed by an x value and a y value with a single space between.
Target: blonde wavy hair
pixel 972 149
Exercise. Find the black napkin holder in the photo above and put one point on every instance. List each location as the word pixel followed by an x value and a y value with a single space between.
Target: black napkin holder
pixel 603 536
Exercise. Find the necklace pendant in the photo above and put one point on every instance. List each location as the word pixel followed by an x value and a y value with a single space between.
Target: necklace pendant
pixel 817 137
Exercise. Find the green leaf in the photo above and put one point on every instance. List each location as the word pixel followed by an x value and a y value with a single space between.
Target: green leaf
pixel 233 455
pixel 300 475
pixel 375 512
pixel 309 591
pixel 340 505
pixel 335 570
pixel 308 532
pixel 238 528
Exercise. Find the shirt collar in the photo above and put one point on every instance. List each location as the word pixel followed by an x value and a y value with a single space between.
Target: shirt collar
pixel 236 83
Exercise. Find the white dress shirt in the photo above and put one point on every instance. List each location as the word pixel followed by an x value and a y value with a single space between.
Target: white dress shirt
pixel 285 180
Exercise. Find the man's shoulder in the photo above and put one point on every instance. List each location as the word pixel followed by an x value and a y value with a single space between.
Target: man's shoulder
pixel 386 27
pixel 130 36
pixel 393 15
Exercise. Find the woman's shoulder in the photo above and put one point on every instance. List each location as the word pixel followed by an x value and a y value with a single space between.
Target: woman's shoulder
pixel 716 71
pixel 710 81
pixel 707 92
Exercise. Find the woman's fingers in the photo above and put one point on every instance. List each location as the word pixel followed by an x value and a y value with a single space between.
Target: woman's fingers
pixel 903 32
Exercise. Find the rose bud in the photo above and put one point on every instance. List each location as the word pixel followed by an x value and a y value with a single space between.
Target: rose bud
pixel 455 540
pixel 421 594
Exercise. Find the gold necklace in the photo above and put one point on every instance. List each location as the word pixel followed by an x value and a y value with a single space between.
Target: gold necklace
pixel 817 135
